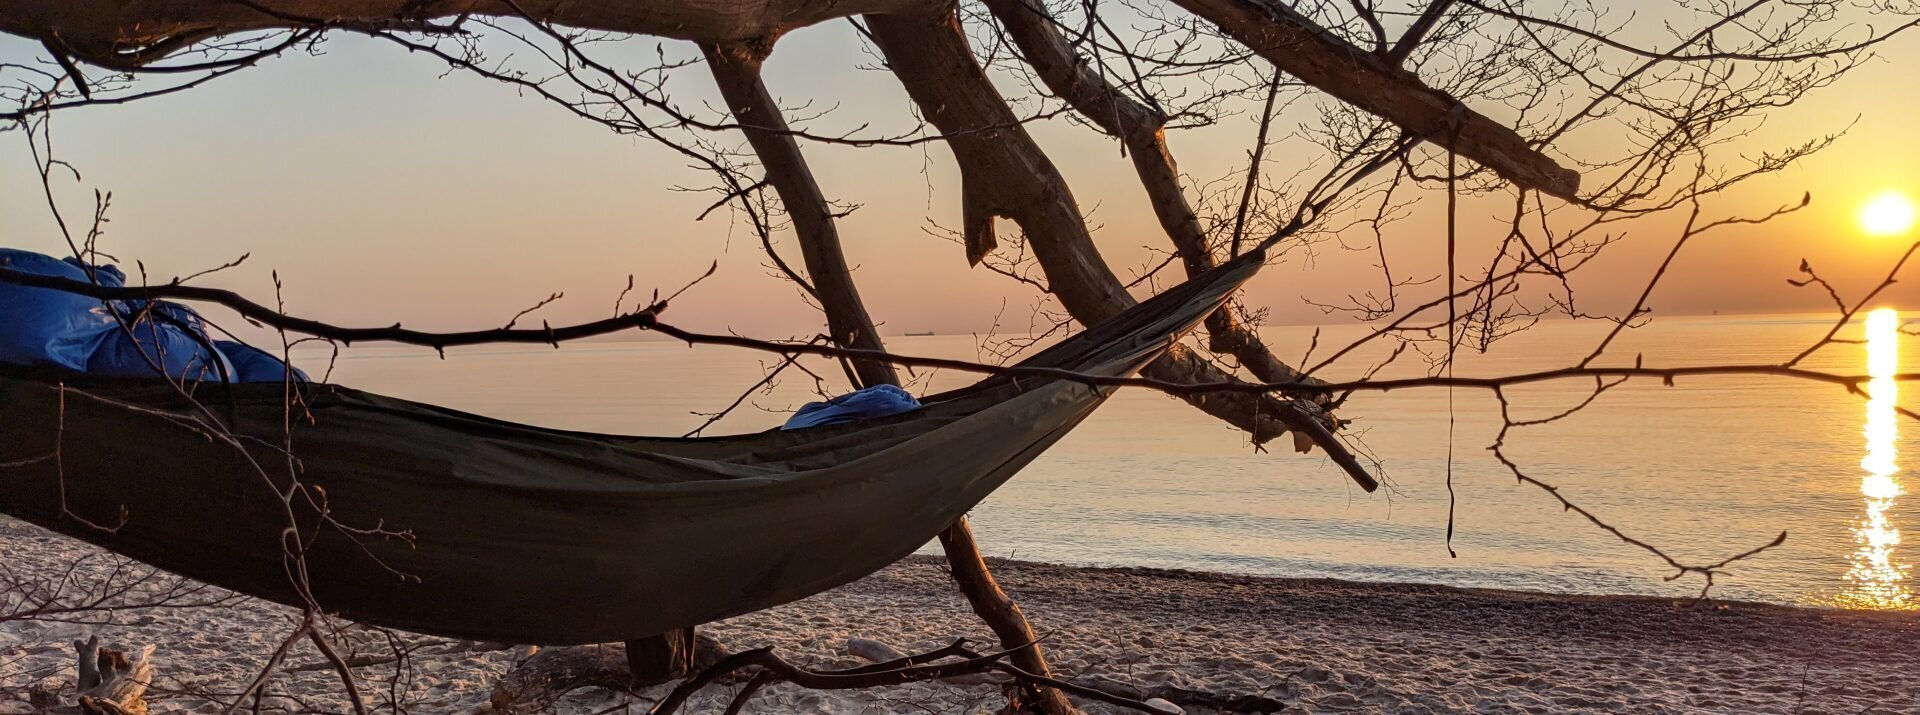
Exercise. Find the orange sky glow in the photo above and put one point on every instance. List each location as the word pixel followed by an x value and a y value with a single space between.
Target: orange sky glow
pixel 381 191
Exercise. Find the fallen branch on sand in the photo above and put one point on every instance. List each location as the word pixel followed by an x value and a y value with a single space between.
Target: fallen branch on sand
pixel 952 661
pixel 549 674
pixel 1176 696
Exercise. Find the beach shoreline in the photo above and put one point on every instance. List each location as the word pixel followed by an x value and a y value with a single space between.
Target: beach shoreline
pixel 1315 645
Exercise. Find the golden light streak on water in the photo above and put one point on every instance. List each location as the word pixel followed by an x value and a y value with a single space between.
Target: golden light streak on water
pixel 1877 580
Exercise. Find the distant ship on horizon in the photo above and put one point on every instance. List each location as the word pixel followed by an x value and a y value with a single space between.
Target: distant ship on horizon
pixel 920 335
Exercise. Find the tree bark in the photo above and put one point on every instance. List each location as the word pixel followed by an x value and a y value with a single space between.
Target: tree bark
pixel 658 659
pixel 737 71
pixel 123 33
pixel 1143 130
pixel 111 683
pixel 1363 79
pixel 1005 173
pixel 992 604
pixel 106 30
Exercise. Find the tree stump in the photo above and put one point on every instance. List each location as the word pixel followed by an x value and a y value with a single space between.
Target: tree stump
pixel 658 659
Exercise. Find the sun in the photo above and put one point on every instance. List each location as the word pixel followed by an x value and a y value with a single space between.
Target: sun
pixel 1889 213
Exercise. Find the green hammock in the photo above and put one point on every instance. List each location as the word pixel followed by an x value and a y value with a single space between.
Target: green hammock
pixel 531 535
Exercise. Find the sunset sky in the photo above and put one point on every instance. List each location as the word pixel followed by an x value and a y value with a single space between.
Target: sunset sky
pixel 381 191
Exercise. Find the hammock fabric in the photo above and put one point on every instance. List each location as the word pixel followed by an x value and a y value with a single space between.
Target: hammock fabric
pixel 530 535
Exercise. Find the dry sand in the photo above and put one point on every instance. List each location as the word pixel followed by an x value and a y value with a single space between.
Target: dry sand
pixel 1316 645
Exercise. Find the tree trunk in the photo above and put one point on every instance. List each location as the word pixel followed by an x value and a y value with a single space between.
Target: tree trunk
pixel 126 35
pixel 117 33
pixel 737 71
pixel 1310 53
pixel 1143 130
pixel 993 605
pixel 1004 173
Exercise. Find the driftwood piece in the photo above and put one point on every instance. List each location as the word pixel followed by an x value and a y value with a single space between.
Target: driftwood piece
pixel 549 674
pixel 109 682
pixel 1167 698
pixel 877 652
pixel 954 660
pixel 1184 697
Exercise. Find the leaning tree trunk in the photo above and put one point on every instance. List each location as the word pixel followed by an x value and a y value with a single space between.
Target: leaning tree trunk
pixel 737 71
pixel 660 658
pixel 1142 129
pixel 1003 172
pixel 1376 85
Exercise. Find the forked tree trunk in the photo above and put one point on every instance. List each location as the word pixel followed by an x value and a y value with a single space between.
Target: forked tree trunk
pixel 1003 172
pixel 1142 129
pixel 737 71
pixel 127 35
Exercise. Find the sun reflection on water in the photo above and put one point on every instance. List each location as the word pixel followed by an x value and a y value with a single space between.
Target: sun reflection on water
pixel 1876 580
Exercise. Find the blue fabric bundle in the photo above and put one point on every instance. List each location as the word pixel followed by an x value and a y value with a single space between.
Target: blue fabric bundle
pixel 865 404
pixel 47 327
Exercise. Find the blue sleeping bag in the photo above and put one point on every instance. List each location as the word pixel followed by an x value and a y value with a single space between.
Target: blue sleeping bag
pixel 126 338
pixel 866 404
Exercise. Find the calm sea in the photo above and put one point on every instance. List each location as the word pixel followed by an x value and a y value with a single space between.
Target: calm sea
pixel 1704 469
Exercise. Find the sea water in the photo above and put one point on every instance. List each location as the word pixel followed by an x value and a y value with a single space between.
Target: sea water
pixel 1704 469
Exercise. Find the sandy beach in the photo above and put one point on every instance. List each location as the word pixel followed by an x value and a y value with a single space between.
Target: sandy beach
pixel 1322 357
pixel 1312 645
